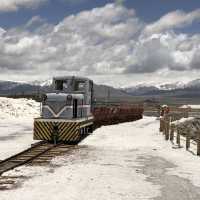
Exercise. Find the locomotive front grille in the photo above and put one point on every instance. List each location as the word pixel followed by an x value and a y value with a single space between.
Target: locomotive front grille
pixel 68 131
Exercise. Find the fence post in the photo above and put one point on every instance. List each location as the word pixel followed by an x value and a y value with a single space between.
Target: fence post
pixel 167 123
pixel 198 143
pixel 188 139
pixel 164 125
pixel 178 139
pixel 161 124
pixel 172 133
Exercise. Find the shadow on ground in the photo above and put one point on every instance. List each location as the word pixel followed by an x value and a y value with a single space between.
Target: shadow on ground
pixel 172 187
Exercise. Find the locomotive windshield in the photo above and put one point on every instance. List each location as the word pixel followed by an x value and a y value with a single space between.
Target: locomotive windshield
pixel 71 84
pixel 61 84
pixel 79 86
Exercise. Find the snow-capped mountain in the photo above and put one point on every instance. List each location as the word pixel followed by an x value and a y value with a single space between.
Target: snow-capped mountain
pixel 181 85
pixel 15 88
pixel 42 83
pixel 152 89
pixel 186 90
pixel 172 86
pixel 194 84
pixel 141 89
pixel 9 88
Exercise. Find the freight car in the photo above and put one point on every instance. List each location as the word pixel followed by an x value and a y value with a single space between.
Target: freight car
pixel 108 115
pixel 66 113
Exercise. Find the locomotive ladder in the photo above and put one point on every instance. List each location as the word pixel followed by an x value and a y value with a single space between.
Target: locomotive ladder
pixel 39 154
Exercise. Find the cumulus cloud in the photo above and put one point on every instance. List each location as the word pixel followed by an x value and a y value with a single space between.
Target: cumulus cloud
pixel 2 31
pixel 149 56
pixel 35 20
pixel 195 62
pixel 14 5
pixel 175 19
pixel 103 41
pixel 80 42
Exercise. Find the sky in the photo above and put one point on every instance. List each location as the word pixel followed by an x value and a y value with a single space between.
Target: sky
pixel 117 42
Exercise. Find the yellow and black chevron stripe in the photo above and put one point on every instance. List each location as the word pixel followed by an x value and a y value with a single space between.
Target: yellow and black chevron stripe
pixel 67 131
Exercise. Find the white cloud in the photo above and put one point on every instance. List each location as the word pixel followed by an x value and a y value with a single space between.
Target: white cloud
pixel 35 20
pixel 195 62
pixel 103 42
pixel 175 19
pixel 2 31
pixel 14 5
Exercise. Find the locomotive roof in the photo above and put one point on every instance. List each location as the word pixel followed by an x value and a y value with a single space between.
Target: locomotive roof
pixel 70 77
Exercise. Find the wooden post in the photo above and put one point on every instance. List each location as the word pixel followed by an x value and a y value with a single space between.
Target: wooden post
pixel 198 143
pixel 167 129
pixel 188 136
pixel 178 138
pixel 164 125
pixel 172 133
pixel 161 124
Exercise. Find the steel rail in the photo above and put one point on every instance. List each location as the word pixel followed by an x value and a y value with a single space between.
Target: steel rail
pixel 11 160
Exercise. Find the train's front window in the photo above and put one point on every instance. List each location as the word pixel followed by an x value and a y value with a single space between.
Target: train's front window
pixel 61 84
pixel 79 86
pixel 66 84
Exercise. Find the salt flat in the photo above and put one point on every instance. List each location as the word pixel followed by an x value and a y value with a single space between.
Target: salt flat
pixel 126 161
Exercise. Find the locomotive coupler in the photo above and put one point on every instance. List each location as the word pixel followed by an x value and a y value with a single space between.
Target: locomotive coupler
pixel 55 133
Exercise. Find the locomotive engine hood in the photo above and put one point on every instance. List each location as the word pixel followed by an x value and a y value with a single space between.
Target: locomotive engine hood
pixel 61 105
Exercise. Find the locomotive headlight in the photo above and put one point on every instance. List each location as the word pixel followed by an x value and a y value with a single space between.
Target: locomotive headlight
pixel 69 97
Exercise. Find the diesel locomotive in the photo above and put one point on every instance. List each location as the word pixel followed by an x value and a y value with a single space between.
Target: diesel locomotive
pixel 66 113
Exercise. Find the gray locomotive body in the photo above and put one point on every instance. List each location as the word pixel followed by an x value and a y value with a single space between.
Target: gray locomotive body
pixel 66 113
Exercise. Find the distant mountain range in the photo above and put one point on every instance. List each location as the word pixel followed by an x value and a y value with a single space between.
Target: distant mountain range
pixel 170 89
pixel 108 93
pixel 102 92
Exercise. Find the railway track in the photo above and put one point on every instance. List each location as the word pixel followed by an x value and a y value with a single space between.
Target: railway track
pixel 40 153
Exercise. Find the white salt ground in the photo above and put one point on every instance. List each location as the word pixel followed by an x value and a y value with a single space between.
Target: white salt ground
pixel 191 106
pixel 15 136
pixel 16 125
pixel 17 108
pixel 104 166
